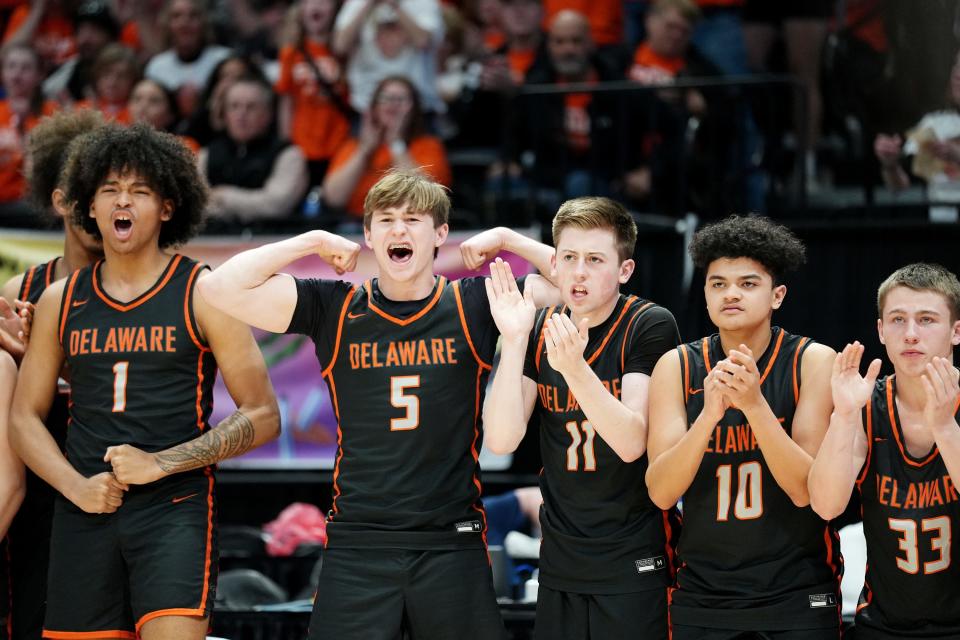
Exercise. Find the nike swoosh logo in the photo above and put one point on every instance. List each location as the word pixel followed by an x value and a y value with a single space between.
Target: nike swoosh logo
pixel 694 392
pixel 354 316
pixel 182 498
pixel 78 303
pixel 879 439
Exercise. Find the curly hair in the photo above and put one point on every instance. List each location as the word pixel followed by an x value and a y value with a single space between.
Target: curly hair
pixel 46 145
pixel 755 237
pixel 159 158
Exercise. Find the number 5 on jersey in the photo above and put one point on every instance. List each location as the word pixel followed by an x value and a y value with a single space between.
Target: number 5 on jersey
pixel 401 398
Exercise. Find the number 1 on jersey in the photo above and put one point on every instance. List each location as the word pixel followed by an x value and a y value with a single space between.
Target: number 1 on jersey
pixel 120 386
pixel 573 458
pixel 402 400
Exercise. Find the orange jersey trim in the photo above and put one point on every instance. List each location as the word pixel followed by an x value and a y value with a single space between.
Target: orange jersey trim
pixel 540 339
pixel 773 357
pixel 66 304
pixel 193 613
pixel 896 431
pixel 336 343
pixel 616 324
pixel 706 354
pixel 336 465
pixel 869 429
pixel 78 635
pixel 171 267
pixel 188 320
pixel 404 322
pixel 476 456
pixel 27 282
pixel 51 269
pixel 626 337
pixel 686 374
pixel 796 358
pixel 466 331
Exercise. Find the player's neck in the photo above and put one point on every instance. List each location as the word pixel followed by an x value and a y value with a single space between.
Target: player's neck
pixel 598 316
pixel 125 277
pixel 756 338
pixel 416 289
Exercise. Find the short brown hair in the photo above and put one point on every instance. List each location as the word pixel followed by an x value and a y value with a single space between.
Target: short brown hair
pixel 686 8
pixel 922 276
pixel 598 213
pixel 115 53
pixel 412 188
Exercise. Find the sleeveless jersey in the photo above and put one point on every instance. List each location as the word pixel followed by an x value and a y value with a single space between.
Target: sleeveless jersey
pixel 749 558
pixel 36 280
pixel 140 373
pixel 910 509
pixel 601 532
pixel 407 394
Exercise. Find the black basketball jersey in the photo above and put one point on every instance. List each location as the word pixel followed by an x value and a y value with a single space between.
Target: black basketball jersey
pixel 407 393
pixel 910 508
pixel 601 532
pixel 36 280
pixel 749 558
pixel 140 372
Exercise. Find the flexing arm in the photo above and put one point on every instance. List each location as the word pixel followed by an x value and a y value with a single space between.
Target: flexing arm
pixel 36 387
pixel 248 287
pixel 12 483
pixel 844 448
pixel 675 452
pixel 483 247
pixel 621 423
pixel 512 395
pixel 256 420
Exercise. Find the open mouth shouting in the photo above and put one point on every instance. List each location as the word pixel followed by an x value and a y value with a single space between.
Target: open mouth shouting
pixel 122 224
pixel 400 252
pixel 578 292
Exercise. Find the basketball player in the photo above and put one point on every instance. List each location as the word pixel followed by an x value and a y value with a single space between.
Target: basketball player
pixel 898 442
pixel 606 557
pixel 29 536
pixel 735 420
pixel 133 550
pixel 405 356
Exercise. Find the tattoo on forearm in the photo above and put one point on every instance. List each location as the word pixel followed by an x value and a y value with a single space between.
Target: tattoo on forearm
pixel 233 436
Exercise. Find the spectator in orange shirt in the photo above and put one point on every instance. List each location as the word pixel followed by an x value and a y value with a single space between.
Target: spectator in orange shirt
pixel 392 136
pixel 114 74
pixel 314 110
pixel 45 25
pixel 20 111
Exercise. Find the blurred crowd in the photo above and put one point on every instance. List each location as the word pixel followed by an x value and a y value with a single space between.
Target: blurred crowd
pixel 295 108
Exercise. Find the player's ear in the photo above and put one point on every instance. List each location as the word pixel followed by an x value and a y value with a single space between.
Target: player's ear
pixel 58 200
pixel 626 270
pixel 441 234
pixel 553 266
pixel 880 330
pixel 779 293
pixel 166 211
pixel 955 333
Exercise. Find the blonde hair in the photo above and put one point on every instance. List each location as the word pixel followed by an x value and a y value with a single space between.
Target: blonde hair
pixel 922 276
pixel 411 188
pixel 598 213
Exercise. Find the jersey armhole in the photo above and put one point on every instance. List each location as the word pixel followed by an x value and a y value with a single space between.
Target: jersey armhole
pixel 189 317
pixel 628 336
pixel 685 372
pixel 798 367
pixel 65 306
pixel 466 329
pixel 26 283
pixel 543 324
pixel 336 340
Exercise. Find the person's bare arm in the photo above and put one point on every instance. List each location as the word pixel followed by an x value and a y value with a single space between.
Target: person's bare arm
pixel 674 451
pixel 483 247
pixel 512 396
pixel 622 423
pixel 12 479
pixel 285 116
pixel 36 388
pixel 843 451
pixel 255 422
pixel 249 287
pixel 419 37
pixel 345 37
